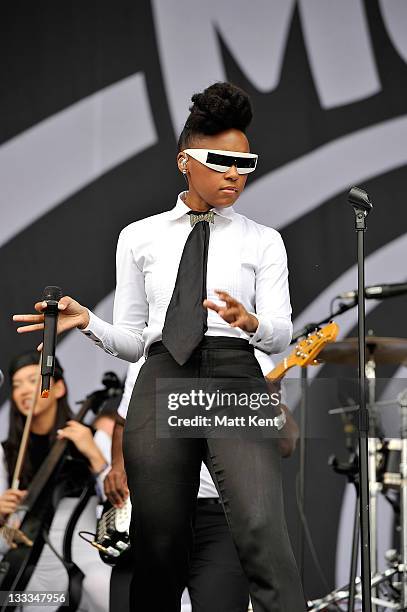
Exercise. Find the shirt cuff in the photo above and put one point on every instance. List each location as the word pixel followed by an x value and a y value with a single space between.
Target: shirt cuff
pixel 280 420
pixel 99 482
pixel 262 338
pixel 92 330
pixel 96 331
pixel 123 407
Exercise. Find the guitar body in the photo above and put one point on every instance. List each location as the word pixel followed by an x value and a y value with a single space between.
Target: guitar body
pixel 112 532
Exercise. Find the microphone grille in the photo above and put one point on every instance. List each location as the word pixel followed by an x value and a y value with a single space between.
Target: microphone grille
pixel 52 293
pixel 359 197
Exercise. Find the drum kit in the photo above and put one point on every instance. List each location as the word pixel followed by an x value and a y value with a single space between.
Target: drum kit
pixel 387 475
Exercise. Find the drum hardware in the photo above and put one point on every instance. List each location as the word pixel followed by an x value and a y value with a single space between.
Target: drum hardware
pixel 388 451
pixel 375 429
pixel 374 444
pixel 390 469
pixel 342 594
pixel 387 471
pixel 379 350
pixel 403 495
pixel 394 579
pixel 355 407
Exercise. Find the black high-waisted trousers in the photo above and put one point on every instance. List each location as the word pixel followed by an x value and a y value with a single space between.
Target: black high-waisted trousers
pixel 163 478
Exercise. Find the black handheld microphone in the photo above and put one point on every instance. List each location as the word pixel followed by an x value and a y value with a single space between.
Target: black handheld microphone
pixel 51 295
pixel 377 292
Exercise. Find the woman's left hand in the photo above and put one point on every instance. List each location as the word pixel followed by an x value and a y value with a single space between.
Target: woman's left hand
pixel 82 437
pixel 233 312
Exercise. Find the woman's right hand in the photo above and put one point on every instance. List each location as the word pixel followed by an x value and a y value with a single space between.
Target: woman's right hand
pixel 71 314
pixel 10 500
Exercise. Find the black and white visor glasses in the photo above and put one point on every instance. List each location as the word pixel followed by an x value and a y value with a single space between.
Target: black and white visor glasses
pixel 221 161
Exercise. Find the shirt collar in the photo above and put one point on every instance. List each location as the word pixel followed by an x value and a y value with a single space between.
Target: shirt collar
pixel 180 209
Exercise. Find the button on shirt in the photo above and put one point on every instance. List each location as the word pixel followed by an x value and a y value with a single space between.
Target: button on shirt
pixel 245 259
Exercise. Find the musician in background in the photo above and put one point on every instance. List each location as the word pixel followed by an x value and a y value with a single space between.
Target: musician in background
pixel 216 580
pixel 52 420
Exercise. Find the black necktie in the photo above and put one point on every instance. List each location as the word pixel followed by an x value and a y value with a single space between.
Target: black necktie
pixel 186 319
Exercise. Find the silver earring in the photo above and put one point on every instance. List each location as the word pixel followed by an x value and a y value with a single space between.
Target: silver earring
pixel 184 170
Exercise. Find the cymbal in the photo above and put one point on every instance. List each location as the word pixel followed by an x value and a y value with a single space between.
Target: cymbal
pixel 382 350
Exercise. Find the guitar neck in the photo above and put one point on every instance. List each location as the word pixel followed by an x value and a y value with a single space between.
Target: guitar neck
pixel 279 371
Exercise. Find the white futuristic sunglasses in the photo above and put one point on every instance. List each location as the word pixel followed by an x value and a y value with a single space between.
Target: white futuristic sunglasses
pixel 221 161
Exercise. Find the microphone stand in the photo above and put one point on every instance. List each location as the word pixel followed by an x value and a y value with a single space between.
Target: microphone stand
pixel 362 206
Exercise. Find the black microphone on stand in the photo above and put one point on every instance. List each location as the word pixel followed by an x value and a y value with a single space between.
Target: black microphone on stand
pixel 1 378
pixel 376 292
pixel 51 296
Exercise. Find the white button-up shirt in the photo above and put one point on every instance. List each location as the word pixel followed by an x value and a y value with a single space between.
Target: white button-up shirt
pixel 246 259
